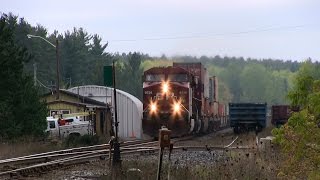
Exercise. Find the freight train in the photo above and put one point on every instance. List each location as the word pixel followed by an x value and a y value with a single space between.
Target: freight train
pixel 183 98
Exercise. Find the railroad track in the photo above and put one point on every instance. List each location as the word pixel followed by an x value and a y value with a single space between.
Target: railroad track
pixel 40 163
pixel 66 156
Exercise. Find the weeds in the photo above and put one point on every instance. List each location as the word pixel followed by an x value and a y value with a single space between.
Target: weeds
pixel 29 145
pixel 76 141
pixel 240 165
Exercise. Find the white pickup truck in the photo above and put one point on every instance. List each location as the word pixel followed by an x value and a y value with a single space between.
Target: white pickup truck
pixel 70 126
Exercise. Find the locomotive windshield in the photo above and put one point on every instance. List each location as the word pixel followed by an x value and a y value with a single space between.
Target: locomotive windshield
pixel 154 77
pixel 178 77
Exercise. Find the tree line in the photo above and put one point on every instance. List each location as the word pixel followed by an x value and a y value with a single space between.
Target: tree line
pixel 83 55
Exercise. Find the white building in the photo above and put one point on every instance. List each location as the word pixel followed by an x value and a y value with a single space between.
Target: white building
pixel 129 108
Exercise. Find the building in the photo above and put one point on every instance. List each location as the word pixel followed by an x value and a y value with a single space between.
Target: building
pixel 69 103
pixel 129 108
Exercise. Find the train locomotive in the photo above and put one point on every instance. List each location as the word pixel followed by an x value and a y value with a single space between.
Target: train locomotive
pixel 183 98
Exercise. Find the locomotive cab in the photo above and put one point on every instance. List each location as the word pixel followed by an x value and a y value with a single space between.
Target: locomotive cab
pixel 183 98
pixel 166 100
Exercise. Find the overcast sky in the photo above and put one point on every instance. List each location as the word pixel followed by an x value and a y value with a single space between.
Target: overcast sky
pixel 283 29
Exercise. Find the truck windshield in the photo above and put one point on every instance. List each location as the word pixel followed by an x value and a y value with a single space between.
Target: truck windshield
pixel 178 77
pixel 52 124
pixel 154 77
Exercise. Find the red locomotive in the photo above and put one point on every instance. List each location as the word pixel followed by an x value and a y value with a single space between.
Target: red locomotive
pixel 181 97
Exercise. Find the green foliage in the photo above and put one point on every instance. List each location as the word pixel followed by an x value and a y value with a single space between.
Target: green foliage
pixel 300 137
pixel 148 64
pixel 257 91
pixel 231 76
pixel 129 73
pixel 303 83
pixel 21 112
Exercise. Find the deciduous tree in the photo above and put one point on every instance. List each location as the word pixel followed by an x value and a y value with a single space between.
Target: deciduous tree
pixel 300 137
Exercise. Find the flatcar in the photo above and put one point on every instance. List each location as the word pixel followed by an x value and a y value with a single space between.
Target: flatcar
pixel 183 98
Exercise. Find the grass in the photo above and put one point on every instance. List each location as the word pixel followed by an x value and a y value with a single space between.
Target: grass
pixel 27 146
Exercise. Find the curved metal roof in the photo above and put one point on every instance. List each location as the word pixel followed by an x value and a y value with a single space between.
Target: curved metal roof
pixel 99 93
pixel 129 108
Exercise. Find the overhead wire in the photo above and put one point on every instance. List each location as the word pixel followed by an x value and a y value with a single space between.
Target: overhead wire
pixel 44 85
pixel 210 35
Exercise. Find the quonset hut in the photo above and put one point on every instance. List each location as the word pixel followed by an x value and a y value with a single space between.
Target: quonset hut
pixel 129 108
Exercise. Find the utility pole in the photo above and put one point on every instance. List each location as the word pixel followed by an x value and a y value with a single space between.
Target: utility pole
pixel 116 159
pixel 35 73
pixel 116 145
pixel 58 70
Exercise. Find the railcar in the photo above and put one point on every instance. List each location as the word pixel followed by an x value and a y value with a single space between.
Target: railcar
pixel 281 114
pixel 183 98
pixel 246 116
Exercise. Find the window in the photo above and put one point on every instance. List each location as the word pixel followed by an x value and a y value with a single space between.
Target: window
pixel 55 112
pixel 178 77
pixel 65 111
pixel 52 124
pixel 69 120
pixel 154 77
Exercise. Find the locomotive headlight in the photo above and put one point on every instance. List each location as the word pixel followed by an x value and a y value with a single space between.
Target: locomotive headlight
pixel 153 108
pixel 176 107
pixel 165 88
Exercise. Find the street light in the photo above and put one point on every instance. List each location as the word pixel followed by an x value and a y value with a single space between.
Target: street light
pixel 57 56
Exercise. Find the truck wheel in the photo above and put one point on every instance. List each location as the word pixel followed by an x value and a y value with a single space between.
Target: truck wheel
pixel 258 128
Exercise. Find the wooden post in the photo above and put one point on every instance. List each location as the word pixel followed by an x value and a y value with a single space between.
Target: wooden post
pixel 164 141
pixel 169 166
pixel 160 163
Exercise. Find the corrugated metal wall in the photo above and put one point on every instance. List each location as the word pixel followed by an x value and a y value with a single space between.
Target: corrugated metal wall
pixel 129 108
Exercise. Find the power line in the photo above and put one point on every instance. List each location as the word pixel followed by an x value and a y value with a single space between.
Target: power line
pixel 44 85
pixel 210 35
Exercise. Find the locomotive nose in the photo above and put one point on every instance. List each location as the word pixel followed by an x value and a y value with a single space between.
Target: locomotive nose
pixel 165 87
pixel 165 116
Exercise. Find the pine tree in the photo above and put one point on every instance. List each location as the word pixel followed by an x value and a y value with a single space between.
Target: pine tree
pixel 21 112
